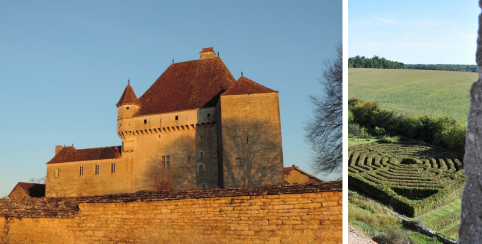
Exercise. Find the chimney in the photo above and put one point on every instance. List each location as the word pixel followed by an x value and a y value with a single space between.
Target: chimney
pixel 58 148
pixel 207 53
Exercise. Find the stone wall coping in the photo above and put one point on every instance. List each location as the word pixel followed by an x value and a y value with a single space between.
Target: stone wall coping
pixel 68 207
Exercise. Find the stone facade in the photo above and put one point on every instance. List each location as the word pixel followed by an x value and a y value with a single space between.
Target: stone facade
pixel 287 214
pixel 194 128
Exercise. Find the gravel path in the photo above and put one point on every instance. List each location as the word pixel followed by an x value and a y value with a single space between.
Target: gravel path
pixel 355 237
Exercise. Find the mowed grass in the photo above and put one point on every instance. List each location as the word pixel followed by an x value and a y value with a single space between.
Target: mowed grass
pixel 445 219
pixel 427 92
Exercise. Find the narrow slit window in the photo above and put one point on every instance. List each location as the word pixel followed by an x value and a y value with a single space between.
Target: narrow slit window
pixel 96 169
pixel 56 173
pixel 81 170
pixel 177 117
pixel 247 139
pixel 145 121
pixel 201 155
pixel 238 161
pixel 112 168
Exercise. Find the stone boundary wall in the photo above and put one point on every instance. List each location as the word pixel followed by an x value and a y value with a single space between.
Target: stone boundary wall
pixel 309 213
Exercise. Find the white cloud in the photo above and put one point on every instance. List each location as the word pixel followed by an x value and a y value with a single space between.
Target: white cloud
pixel 384 20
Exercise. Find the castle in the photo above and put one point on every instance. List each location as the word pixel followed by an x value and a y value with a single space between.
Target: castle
pixel 196 127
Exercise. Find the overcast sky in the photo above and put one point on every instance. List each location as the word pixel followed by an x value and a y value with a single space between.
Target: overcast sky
pixel 64 65
pixel 414 32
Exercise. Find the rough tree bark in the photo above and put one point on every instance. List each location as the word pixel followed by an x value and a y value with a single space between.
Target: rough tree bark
pixel 470 230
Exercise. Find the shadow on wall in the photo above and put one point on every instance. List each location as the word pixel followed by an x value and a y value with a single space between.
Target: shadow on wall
pixel 188 163
pixel 252 153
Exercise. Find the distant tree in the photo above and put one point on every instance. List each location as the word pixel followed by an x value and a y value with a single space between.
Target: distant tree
pixel 324 129
pixel 40 180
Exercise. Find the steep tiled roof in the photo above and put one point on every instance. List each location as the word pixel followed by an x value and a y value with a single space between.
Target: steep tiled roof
pixel 32 189
pixel 128 97
pixel 246 86
pixel 187 85
pixel 70 154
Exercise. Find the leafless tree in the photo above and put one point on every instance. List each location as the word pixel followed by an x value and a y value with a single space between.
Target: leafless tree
pixel 40 180
pixel 324 129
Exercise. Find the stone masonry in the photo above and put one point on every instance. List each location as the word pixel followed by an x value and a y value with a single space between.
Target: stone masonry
pixel 273 214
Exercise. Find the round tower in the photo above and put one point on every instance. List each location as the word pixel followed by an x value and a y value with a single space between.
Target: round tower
pixel 127 107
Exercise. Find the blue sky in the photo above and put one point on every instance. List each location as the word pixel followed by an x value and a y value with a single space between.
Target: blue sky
pixel 413 32
pixel 64 65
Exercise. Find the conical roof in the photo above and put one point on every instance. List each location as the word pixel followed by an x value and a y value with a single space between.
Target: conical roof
pixel 128 97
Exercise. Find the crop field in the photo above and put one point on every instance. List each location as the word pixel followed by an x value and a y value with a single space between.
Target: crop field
pixel 414 179
pixel 428 92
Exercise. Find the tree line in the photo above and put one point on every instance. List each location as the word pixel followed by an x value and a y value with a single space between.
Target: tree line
pixel 375 63
pixel 382 63
pixel 447 67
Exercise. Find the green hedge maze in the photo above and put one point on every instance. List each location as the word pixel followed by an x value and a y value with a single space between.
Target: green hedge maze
pixel 412 178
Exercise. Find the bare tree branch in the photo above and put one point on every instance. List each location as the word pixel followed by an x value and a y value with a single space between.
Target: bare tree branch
pixel 324 129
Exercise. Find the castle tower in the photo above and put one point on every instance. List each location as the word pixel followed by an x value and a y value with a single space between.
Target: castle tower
pixel 127 107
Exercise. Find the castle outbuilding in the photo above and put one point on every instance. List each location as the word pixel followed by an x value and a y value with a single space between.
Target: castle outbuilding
pixel 195 127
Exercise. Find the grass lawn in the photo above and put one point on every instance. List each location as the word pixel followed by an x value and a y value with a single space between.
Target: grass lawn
pixel 427 92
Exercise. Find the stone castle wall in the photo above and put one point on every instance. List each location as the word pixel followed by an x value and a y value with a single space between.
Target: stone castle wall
pixel 274 214
pixel 255 140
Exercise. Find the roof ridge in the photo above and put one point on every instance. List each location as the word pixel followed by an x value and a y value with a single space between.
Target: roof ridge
pixel 247 86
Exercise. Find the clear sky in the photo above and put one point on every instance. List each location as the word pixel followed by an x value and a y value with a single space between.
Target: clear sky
pixel 64 65
pixel 414 32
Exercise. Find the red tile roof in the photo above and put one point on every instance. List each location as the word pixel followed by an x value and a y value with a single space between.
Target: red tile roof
pixel 286 170
pixel 187 85
pixel 246 86
pixel 70 154
pixel 32 189
pixel 128 97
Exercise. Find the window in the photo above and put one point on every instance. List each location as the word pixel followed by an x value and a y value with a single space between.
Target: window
pixel 201 168
pixel 166 162
pixel 81 170
pixel 145 121
pixel 238 161
pixel 247 137
pixel 96 169
pixel 112 168
pixel 127 108
pixel 209 115
pixel 56 173
pixel 177 117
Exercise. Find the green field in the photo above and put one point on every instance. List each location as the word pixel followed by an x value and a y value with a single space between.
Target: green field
pixel 414 91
